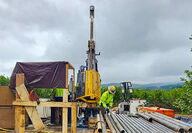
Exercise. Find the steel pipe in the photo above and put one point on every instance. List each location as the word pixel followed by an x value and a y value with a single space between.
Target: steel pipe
pixel 168 124
pixel 145 116
pixel 153 128
pixel 102 123
pixel 117 123
pixel 165 128
pixel 185 127
pixel 189 126
pixel 123 124
pixel 126 125
pixel 134 126
pixel 157 127
pixel 146 126
pixel 109 124
pixel 140 125
pixel 99 128
pixel 113 123
pixel 134 121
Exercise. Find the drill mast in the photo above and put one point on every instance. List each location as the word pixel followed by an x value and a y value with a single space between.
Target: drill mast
pixel 91 61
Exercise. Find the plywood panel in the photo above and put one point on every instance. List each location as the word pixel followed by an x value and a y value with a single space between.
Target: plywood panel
pixel 7 118
pixel 6 96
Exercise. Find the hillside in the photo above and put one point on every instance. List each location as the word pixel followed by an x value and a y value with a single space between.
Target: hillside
pixel 151 86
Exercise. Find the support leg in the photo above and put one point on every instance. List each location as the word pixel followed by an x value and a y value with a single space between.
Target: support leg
pixel 74 118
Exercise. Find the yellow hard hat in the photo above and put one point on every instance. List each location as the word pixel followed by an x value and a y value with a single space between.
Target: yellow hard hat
pixel 111 89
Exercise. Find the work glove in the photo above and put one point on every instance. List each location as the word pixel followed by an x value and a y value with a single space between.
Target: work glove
pixel 107 110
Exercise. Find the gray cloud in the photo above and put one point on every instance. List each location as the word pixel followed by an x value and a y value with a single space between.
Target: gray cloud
pixel 141 41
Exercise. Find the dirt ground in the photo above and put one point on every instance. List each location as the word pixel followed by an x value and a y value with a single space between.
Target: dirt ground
pixel 55 130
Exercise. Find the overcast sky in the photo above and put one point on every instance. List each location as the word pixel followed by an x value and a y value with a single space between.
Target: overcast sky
pixel 142 41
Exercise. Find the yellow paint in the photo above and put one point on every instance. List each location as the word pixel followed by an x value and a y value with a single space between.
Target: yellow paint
pixel 92 87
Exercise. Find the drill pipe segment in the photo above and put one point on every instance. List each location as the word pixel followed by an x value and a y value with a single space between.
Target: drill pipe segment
pixel 145 116
pixel 124 124
pixel 113 123
pixel 150 129
pixel 187 124
pixel 168 124
pixel 133 120
pixel 117 122
pixel 174 121
pixel 99 127
pixel 132 125
pixel 109 124
pixel 156 126
pixel 104 130
pixel 148 125
pixel 141 125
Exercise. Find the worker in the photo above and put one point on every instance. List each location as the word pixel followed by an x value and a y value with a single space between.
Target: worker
pixel 57 112
pixel 106 101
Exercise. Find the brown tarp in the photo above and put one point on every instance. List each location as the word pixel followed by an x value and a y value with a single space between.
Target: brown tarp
pixel 40 74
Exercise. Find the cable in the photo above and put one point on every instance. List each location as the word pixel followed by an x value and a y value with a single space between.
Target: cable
pixel 7 130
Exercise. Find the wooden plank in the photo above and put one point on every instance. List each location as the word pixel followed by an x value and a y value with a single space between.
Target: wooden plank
pixel 48 104
pixel 91 125
pixel 73 84
pixel 19 120
pixel 45 104
pixel 24 95
pixel 19 110
pixel 67 66
pixel 92 120
pixel 65 112
pixel 32 111
pixel 74 118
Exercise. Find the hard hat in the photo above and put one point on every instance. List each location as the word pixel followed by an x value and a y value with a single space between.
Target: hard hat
pixel 111 89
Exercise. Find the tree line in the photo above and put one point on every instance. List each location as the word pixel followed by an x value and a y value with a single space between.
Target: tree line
pixel 179 99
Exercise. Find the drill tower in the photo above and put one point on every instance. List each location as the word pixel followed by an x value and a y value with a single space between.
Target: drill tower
pixel 91 62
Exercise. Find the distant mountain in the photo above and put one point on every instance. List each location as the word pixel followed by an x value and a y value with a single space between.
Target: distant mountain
pixel 152 86
pixel 110 84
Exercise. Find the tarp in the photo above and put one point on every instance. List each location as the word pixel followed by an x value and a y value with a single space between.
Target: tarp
pixel 40 74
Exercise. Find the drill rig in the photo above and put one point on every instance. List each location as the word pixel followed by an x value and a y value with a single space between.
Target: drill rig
pixel 88 79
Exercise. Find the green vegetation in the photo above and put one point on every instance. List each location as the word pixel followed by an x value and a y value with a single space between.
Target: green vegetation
pixel 44 93
pixel 4 81
pixel 184 102
pixel 170 99
pixel 178 99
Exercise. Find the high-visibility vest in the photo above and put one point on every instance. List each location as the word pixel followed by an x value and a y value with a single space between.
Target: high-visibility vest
pixel 106 99
pixel 59 92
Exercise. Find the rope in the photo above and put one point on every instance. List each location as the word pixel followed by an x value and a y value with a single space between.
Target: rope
pixel 33 95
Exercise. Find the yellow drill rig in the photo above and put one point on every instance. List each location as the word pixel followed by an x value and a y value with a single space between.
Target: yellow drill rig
pixel 88 79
